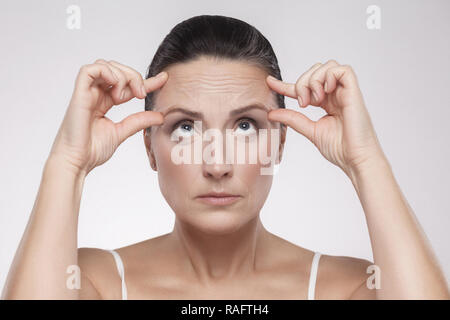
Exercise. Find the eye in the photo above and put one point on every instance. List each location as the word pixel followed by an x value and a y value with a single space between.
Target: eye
pixel 183 128
pixel 246 126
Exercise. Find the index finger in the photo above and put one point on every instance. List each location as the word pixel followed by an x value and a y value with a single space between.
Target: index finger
pixel 155 82
pixel 284 88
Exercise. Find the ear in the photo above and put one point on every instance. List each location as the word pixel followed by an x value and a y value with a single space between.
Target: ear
pixel 283 129
pixel 148 147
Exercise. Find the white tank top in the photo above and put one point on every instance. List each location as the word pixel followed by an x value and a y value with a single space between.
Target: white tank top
pixel 311 287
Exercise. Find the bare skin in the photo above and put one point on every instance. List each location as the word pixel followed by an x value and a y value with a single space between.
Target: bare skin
pixel 217 254
pixel 153 271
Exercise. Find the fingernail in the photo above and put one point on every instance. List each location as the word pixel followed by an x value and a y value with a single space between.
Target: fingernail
pixel 300 101
pixel 122 94
pixel 161 74
pixel 325 86
pixel 316 97
pixel 144 92
pixel 272 78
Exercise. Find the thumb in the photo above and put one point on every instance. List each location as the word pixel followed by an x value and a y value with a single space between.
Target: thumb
pixel 137 122
pixel 296 120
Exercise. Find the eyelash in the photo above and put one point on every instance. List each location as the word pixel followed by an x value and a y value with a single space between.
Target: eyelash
pixel 178 123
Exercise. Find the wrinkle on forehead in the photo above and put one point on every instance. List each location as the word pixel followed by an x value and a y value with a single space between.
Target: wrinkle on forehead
pixel 207 81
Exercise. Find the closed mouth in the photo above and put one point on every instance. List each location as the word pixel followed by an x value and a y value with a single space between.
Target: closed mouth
pixel 214 198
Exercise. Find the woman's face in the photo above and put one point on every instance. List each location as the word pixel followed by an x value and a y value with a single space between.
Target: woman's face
pixel 208 91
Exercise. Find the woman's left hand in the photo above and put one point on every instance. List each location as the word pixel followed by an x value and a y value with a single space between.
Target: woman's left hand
pixel 345 136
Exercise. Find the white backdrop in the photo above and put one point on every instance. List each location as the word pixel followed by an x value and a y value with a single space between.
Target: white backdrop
pixel 403 70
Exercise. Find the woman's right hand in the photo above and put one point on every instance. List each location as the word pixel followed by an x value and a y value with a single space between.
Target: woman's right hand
pixel 86 138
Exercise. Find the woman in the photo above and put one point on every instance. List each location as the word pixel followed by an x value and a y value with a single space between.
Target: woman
pixel 224 74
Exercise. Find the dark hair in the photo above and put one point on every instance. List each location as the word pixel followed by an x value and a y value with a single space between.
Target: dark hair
pixel 218 37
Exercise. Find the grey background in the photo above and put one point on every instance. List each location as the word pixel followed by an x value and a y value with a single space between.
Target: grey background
pixel 403 71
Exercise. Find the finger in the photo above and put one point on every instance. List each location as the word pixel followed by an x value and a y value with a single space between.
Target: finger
pixel 95 74
pixel 281 87
pixel 302 85
pixel 136 122
pixel 136 81
pixel 317 82
pixel 299 90
pixel 119 90
pixel 294 119
pixel 106 86
pixel 342 74
pixel 155 82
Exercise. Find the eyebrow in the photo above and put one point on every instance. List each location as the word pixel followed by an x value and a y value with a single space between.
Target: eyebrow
pixel 232 113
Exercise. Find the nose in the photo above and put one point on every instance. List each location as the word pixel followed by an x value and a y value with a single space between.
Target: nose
pixel 217 170
pixel 215 165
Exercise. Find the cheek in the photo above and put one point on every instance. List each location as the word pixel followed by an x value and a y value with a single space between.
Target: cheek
pixel 270 142
pixel 175 181
pixel 257 185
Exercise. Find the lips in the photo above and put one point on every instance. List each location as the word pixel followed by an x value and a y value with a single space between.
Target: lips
pixel 218 198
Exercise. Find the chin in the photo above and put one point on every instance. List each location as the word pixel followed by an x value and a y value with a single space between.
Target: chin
pixel 217 221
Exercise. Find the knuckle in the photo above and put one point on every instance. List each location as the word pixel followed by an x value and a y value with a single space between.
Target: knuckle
pixel 84 69
pixel 349 70
pixel 120 74
pixel 300 82
pixel 100 60
pixel 332 62
pixel 347 67
pixel 137 76
pixel 314 82
pixel 299 87
pixel 314 78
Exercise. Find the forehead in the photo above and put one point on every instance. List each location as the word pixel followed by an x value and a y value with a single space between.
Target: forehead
pixel 223 83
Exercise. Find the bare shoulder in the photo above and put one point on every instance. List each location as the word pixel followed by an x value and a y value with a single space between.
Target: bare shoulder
pixel 338 277
pixel 343 277
pixel 99 275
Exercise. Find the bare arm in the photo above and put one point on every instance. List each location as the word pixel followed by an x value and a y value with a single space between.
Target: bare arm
pixel 345 136
pixel 409 269
pixel 85 140
pixel 49 243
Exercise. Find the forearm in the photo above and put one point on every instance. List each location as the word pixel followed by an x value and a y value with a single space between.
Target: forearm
pixel 409 268
pixel 49 243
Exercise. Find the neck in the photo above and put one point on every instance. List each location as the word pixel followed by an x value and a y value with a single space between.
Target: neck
pixel 214 257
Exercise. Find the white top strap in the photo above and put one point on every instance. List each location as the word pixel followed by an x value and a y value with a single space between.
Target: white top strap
pixel 313 275
pixel 121 271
